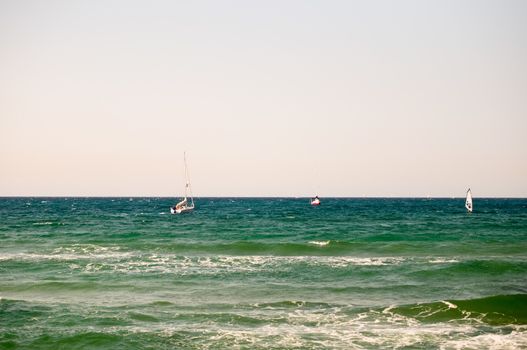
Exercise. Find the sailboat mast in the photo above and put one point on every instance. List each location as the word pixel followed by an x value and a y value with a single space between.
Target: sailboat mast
pixel 187 180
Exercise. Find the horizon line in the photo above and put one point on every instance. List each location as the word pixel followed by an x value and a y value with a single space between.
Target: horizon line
pixel 256 197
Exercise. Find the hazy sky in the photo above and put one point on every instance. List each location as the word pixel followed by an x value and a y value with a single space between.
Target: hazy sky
pixel 268 98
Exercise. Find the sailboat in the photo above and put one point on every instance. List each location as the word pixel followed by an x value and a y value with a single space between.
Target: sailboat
pixel 468 201
pixel 187 204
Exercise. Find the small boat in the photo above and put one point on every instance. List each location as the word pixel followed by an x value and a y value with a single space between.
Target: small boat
pixel 468 201
pixel 187 204
pixel 315 201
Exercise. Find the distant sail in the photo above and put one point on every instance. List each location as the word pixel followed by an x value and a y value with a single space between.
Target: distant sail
pixel 184 205
pixel 468 201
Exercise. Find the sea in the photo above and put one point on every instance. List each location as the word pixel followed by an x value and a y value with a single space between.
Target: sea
pixel 263 273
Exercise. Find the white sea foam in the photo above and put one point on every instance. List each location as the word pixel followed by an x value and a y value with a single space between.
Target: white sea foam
pixel 112 258
pixel 115 259
pixel 517 339
pixel 319 243
pixel 331 328
pixel 449 304
pixel 340 333
pixel 212 265
pixel 325 328
pixel 74 252
pixel 388 309
pixel 346 261
pixel 442 261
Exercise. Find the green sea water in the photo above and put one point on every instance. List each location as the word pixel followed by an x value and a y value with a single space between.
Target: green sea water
pixel 263 273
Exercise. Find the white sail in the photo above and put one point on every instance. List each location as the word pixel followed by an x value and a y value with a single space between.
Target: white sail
pixel 187 204
pixel 468 201
pixel 184 201
pixel 188 189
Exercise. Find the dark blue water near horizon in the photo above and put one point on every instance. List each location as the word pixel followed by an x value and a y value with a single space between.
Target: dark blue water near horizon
pixel 263 273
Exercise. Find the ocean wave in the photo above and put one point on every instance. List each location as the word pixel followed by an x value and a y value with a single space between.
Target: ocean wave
pixel 281 324
pixel 69 253
pixel 439 260
pixel 314 247
pixel 213 265
pixel 481 266
pixel 340 334
pixel 95 259
pixel 319 243
pixel 291 304
pixel 90 258
pixel 493 310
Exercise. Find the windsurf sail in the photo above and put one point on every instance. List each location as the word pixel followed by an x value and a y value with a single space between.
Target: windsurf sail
pixel 468 201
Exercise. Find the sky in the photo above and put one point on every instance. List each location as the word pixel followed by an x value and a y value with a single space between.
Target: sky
pixel 268 98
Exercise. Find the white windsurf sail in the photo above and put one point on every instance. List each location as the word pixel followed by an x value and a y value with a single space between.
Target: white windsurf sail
pixel 468 201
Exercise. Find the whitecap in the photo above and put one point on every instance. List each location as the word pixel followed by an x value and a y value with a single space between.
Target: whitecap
pixel 442 261
pixel 319 243
pixel 449 304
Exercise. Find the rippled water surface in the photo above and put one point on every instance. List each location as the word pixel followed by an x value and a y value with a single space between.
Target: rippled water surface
pixel 262 273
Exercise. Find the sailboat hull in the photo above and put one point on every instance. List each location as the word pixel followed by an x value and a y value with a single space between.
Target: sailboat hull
pixel 181 210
